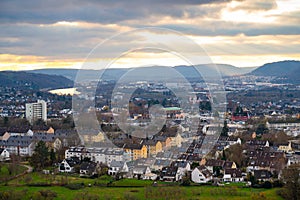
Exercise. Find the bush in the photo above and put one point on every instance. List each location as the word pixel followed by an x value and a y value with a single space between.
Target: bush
pixel 48 194
pixel 277 183
pixel 267 185
pixel 12 195
pixel 75 186
pixel 86 196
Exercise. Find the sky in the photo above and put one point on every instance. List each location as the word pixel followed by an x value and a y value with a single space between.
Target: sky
pixel 61 34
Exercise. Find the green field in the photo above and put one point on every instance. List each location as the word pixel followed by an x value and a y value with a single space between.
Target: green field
pixel 9 170
pixel 105 187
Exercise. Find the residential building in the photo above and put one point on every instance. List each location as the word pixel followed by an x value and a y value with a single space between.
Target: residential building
pixel 35 111
pixel 233 175
pixel 4 155
pixel 135 150
pixel 262 175
pixel 88 169
pixel 117 167
pixel 97 155
pixel 201 175
pixel 153 147
pixel 67 165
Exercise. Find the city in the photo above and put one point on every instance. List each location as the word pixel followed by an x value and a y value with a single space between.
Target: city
pixel 133 100
pixel 254 147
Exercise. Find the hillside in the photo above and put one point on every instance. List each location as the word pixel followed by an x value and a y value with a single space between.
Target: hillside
pixel 86 75
pixel 209 70
pixel 187 71
pixel 278 69
pixel 36 81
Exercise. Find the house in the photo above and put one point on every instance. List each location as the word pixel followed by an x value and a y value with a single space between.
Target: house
pixel 212 164
pixel 4 135
pixel 262 175
pixel 183 168
pixel 233 175
pixel 67 165
pixel 88 169
pixel 201 175
pixel 150 176
pixel 258 143
pixel 168 173
pixel 98 155
pixel 4 155
pixel 160 163
pixel 135 150
pixel 165 141
pixel 229 165
pixel 266 159
pixel 293 159
pixel 140 171
pixel 19 145
pixel 286 148
pixel 153 147
pixel 175 171
pixel 117 167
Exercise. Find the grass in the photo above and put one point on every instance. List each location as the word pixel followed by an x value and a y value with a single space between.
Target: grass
pixel 15 170
pixel 190 193
pixel 126 189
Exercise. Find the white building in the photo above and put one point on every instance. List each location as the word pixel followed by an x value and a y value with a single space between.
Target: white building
pixel 97 155
pixel 201 175
pixel 4 155
pixel 35 111
pixel 116 167
pixel 233 175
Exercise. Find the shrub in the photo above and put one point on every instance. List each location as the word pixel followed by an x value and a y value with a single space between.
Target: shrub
pixel 48 194
pixel 267 185
pixel 74 186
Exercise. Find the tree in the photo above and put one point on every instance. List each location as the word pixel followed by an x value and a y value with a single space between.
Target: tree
pixel 235 153
pixel 291 178
pixel 52 156
pixel 261 129
pixel 186 180
pixel 225 129
pixel 39 122
pixel 40 157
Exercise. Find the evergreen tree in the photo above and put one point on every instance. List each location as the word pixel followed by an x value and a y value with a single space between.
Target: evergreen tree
pixel 52 156
pixel 225 129
pixel 40 157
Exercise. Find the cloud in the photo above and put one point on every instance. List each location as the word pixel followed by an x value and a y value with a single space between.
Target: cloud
pixel 51 11
pixel 253 5
pixel 65 30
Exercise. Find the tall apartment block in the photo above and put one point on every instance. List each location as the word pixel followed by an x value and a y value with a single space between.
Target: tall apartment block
pixel 35 111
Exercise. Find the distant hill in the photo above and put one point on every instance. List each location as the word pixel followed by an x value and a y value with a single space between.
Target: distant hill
pixel 85 74
pixel 115 74
pixel 294 77
pixel 36 81
pixel 278 69
pixel 283 71
pixel 209 70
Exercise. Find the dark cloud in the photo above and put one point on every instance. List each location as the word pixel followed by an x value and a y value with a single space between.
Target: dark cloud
pixel 221 28
pixel 51 11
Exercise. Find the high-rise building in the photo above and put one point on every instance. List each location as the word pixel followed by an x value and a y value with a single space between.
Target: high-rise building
pixel 35 111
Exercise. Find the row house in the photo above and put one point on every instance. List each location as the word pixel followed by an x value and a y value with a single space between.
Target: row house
pixel 212 164
pixel 136 150
pixel 175 171
pixel 19 145
pixel 97 155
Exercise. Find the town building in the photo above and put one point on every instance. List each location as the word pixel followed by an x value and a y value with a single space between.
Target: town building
pixel 35 111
